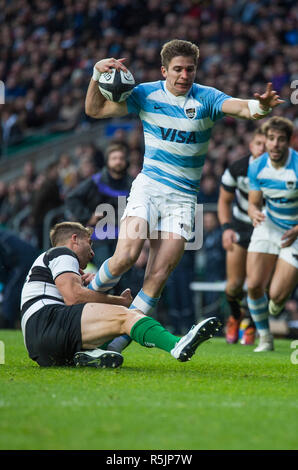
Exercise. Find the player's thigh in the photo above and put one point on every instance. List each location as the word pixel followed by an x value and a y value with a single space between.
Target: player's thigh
pixel 259 269
pixel 133 228
pixel 284 281
pixel 236 267
pixel 101 322
pixel 132 235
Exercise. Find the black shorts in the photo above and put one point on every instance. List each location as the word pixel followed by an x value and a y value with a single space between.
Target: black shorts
pixel 244 231
pixel 53 334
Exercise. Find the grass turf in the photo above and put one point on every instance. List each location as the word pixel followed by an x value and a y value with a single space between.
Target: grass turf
pixel 226 397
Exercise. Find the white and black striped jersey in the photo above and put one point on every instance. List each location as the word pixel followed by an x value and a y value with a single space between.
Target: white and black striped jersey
pixel 235 180
pixel 40 288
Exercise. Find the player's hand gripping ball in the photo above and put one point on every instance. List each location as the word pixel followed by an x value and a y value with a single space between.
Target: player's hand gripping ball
pixel 116 85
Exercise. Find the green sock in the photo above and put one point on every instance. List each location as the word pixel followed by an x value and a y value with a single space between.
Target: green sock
pixel 149 332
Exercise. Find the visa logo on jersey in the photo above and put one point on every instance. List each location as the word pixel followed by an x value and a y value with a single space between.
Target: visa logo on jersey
pixel 181 137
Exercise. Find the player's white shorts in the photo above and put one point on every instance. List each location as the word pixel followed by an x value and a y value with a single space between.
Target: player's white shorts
pixel 164 208
pixel 266 238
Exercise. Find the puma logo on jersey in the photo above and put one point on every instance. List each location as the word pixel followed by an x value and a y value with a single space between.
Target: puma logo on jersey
pixel 181 137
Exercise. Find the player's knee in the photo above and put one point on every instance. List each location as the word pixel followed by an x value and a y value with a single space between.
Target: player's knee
pixel 277 297
pixel 255 290
pixel 131 317
pixel 121 320
pixel 234 289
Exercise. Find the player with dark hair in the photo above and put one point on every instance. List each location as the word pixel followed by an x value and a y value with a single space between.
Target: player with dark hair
pixel 236 232
pixel 65 323
pixel 273 249
pixel 177 116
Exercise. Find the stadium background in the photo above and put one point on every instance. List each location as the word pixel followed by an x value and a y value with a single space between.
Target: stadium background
pixel 48 49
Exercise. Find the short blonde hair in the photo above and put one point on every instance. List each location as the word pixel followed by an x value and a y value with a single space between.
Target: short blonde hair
pixel 258 131
pixel 63 231
pixel 178 47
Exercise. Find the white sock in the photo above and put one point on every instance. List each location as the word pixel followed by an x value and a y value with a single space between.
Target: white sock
pixel 258 309
pixel 104 280
pixel 144 302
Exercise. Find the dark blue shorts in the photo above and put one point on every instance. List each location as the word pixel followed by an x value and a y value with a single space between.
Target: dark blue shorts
pixel 53 334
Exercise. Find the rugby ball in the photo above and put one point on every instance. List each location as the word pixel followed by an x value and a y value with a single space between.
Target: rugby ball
pixel 116 85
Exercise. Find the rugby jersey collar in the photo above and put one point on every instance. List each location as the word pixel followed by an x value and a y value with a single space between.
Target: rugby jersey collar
pixel 286 163
pixel 177 100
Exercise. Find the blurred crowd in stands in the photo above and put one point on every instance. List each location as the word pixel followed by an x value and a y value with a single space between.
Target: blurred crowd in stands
pixel 48 49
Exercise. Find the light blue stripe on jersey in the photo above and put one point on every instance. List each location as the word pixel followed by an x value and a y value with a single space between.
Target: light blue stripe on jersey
pixel 287 224
pixel 272 184
pixel 149 172
pixel 194 184
pixel 196 161
pixel 279 188
pixel 177 131
pixel 254 170
pixel 292 211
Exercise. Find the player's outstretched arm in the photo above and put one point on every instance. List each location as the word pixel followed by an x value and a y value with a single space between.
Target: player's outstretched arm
pixel 96 105
pixel 253 109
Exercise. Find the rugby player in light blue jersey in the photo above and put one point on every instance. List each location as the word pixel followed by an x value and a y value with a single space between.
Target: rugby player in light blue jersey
pixel 273 250
pixel 177 117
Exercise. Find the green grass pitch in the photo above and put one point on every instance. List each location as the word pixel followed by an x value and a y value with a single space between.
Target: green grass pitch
pixel 226 397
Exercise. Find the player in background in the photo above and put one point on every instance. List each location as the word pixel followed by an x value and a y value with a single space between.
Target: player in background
pixel 236 232
pixel 177 117
pixel 273 249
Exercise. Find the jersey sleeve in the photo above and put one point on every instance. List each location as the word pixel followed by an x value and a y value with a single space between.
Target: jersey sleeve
pixel 228 181
pixel 62 260
pixel 252 173
pixel 134 101
pixel 213 100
